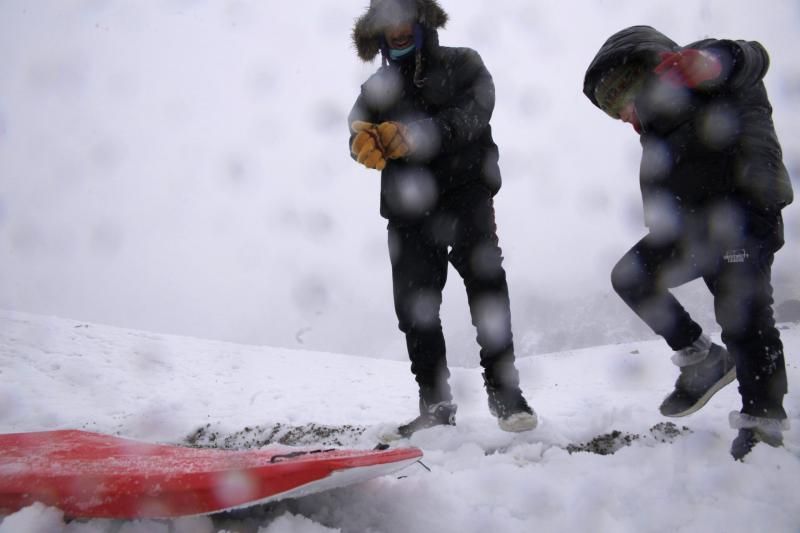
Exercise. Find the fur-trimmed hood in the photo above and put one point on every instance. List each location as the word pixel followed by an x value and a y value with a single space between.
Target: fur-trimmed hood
pixel 368 29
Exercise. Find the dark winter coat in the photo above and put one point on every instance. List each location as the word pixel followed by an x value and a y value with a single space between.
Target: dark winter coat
pixel 447 110
pixel 705 148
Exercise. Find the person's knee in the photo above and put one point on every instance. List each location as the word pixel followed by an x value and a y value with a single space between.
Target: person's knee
pixel 627 276
pixel 483 262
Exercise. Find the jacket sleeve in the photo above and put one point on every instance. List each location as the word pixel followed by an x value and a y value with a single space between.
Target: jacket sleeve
pixel 466 117
pixel 360 111
pixel 744 63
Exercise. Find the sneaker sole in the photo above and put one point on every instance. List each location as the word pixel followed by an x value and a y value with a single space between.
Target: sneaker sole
pixel 719 385
pixel 390 436
pixel 518 422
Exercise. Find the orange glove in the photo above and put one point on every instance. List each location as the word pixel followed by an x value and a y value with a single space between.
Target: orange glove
pixel 394 139
pixel 366 145
pixel 689 67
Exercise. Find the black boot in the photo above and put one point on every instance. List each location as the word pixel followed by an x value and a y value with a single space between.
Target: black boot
pixel 705 369
pixel 439 414
pixel 509 406
pixel 754 429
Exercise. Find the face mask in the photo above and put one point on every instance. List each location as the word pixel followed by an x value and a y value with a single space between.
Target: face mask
pixel 400 53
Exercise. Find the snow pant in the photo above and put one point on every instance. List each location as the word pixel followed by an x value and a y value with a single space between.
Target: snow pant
pixel 460 231
pixel 738 273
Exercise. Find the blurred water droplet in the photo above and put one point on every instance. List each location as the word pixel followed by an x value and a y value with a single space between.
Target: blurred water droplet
pixel 235 170
pixel 381 92
pixel 328 115
pixel 493 319
pixel 425 307
pixel 412 193
pixel 661 216
pixel 310 295
pixel 656 162
pixel 486 261
pixel 719 128
pixel 233 488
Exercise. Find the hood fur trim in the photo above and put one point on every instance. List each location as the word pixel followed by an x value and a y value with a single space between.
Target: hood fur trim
pixel 739 420
pixel 368 28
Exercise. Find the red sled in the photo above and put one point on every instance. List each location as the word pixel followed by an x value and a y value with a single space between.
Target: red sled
pixel 89 475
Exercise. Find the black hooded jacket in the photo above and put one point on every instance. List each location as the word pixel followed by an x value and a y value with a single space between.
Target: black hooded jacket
pixel 444 95
pixel 713 146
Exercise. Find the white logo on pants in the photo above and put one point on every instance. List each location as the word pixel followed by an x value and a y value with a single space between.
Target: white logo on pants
pixel 736 256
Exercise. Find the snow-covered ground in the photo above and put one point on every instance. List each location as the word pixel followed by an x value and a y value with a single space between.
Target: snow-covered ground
pixel 57 373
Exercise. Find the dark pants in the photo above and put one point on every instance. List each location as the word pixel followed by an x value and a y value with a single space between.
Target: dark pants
pixel 461 231
pixel 737 272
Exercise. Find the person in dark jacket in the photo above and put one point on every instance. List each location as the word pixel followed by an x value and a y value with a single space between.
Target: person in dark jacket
pixel 713 185
pixel 423 120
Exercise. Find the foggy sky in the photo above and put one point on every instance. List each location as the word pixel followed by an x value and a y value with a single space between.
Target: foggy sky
pixel 181 166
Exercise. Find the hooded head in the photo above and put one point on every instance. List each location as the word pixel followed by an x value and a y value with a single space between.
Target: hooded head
pixel 618 86
pixel 622 65
pixel 369 29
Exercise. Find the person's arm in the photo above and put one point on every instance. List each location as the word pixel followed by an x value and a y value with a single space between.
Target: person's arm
pixel 713 65
pixel 744 63
pixel 359 113
pixel 365 140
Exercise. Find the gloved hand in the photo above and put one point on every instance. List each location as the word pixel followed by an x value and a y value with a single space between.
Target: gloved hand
pixel 689 67
pixel 366 145
pixel 394 139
